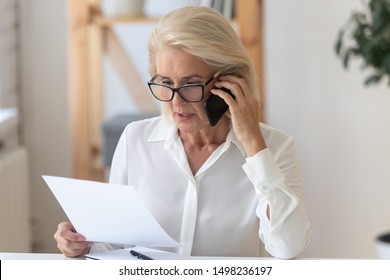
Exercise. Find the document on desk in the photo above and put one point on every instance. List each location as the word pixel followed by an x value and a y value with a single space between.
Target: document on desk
pixel 108 213
pixel 124 254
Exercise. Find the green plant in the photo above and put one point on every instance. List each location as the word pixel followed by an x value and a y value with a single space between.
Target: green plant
pixel 367 35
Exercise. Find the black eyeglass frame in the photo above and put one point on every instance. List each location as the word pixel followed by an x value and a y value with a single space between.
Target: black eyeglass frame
pixel 177 89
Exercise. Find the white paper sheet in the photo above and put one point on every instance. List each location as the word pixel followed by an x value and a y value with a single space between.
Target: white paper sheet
pixel 108 213
pixel 124 254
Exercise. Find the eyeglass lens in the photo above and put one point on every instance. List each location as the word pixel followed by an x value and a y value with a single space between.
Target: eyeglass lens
pixel 190 93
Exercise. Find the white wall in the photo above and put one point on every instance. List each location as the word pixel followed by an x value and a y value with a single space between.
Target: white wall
pixel 339 125
pixel 9 72
pixel 9 55
pixel 45 109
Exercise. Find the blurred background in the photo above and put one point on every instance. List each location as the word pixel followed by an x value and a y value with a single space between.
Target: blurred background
pixel 341 127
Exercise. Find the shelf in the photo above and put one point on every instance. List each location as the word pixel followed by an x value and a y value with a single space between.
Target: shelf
pixel 9 118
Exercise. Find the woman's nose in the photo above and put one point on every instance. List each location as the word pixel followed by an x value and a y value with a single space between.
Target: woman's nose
pixel 177 99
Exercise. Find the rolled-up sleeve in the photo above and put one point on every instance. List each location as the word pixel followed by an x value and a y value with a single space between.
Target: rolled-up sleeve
pixel 277 182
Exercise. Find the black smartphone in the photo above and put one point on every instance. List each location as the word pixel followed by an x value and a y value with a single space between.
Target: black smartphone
pixel 215 107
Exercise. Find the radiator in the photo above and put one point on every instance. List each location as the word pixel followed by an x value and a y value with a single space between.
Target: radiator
pixel 15 235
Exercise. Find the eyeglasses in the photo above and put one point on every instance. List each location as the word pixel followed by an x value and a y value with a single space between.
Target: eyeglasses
pixel 188 92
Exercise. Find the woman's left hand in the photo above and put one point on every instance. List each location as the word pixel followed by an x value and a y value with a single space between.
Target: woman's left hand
pixel 244 112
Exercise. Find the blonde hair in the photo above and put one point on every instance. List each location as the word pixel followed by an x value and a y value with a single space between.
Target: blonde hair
pixel 207 34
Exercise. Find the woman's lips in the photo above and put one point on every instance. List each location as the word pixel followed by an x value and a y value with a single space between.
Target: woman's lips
pixel 184 116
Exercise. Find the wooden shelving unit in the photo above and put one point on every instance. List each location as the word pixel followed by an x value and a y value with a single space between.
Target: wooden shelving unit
pixel 90 38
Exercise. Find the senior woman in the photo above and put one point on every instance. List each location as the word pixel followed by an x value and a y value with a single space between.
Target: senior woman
pixel 229 189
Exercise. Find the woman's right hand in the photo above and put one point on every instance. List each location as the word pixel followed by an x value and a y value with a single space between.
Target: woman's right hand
pixel 71 243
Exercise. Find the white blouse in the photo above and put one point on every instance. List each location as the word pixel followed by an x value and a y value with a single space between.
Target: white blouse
pixel 222 209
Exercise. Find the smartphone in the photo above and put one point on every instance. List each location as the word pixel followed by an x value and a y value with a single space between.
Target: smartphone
pixel 215 107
